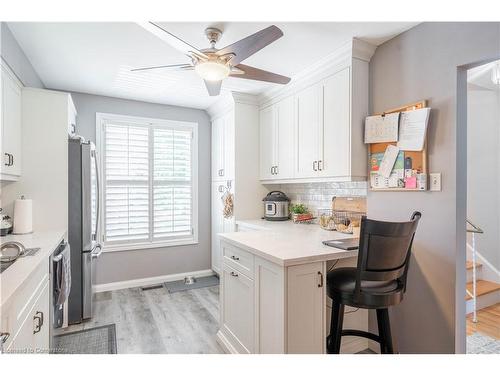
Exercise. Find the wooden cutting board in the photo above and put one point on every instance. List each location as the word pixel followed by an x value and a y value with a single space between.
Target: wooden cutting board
pixel 352 204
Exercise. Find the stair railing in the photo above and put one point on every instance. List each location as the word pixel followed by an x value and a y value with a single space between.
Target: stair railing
pixel 473 230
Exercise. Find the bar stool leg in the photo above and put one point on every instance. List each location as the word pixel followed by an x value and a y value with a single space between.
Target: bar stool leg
pixel 384 326
pixel 381 331
pixel 337 320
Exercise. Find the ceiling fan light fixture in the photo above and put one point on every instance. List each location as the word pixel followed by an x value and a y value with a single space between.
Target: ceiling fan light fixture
pixel 495 74
pixel 212 70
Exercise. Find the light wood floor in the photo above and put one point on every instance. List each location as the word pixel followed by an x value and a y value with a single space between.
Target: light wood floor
pixel 154 321
pixel 488 322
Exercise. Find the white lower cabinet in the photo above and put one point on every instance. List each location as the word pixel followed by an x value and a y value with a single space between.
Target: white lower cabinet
pixel 267 308
pixel 237 312
pixel 26 317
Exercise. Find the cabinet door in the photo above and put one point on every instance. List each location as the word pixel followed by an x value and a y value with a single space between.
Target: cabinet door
pixel 308 130
pixel 11 125
pixel 217 149
pixel 267 143
pixel 270 295
pixel 217 225
pixel 335 160
pixel 33 334
pixel 284 142
pixel 238 307
pixel 305 308
pixel 228 153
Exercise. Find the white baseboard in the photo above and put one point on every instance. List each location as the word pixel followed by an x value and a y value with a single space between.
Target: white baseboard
pixel 149 281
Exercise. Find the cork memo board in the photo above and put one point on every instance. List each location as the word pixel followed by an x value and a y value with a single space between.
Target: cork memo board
pixel 419 158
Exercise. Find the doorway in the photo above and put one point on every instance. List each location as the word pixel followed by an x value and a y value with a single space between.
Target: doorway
pixel 482 291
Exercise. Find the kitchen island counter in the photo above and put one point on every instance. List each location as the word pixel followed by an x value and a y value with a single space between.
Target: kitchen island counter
pixel 286 243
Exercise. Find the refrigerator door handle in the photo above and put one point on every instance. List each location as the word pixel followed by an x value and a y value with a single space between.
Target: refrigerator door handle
pixel 98 194
pixel 97 251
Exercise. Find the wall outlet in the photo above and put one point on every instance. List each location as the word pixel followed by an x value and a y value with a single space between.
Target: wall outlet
pixel 435 181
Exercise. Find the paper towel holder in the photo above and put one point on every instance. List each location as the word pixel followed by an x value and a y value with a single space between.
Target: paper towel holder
pixel 26 228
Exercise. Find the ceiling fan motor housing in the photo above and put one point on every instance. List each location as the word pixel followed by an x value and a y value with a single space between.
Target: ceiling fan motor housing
pixel 213 34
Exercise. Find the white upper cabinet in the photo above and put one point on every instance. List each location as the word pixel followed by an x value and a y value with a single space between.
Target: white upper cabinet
pixel 267 142
pixel 223 147
pixel 284 144
pixel 319 135
pixel 334 158
pixel 309 139
pixel 277 128
pixel 10 168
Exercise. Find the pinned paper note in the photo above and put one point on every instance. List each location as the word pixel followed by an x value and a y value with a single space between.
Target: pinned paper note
pixel 379 129
pixel 412 129
pixel 390 156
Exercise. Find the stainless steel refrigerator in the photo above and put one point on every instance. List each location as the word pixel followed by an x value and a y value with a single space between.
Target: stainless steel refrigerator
pixel 83 224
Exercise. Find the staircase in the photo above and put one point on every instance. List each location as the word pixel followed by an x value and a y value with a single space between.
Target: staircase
pixel 486 291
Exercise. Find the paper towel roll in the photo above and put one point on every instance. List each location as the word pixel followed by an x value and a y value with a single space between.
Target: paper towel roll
pixel 23 216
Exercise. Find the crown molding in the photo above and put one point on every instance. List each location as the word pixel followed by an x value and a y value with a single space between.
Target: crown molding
pixel 221 106
pixel 339 59
pixel 243 98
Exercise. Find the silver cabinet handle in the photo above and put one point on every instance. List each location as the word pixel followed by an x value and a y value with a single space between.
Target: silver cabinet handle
pixel 320 282
pixel 38 318
pixel 314 166
pixel 319 165
pixel 4 336
pixel 234 258
pixel 8 159
pixel 271 169
pixel 222 172
pixel 234 274
pixel 276 170
pixel 220 188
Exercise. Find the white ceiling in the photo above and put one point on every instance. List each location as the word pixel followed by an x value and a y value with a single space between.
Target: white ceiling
pixel 480 77
pixel 96 58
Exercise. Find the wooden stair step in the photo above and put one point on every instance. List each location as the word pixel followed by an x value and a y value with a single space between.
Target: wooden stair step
pixel 482 287
pixel 468 264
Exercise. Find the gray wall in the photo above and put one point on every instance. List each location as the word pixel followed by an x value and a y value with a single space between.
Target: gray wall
pixel 14 56
pixel 483 167
pixel 422 64
pixel 127 265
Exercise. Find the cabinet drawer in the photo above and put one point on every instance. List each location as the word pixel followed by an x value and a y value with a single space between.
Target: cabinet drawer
pixel 239 259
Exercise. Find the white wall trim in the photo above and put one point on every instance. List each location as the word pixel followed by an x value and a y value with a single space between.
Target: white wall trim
pixel 134 283
pixel 328 65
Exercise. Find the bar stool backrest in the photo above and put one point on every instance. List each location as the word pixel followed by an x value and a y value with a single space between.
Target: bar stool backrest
pixel 384 250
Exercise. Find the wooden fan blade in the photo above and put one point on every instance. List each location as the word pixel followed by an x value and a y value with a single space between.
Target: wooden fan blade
pixel 259 75
pixel 251 44
pixel 171 39
pixel 213 87
pixel 172 67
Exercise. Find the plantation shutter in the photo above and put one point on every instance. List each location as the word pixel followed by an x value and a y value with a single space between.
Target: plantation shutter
pixel 148 183
pixel 127 177
pixel 172 182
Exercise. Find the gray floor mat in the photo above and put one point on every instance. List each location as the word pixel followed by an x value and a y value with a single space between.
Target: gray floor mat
pixel 98 340
pixel 201 282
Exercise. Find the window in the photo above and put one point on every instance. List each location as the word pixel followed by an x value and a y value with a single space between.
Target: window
pixel 149 185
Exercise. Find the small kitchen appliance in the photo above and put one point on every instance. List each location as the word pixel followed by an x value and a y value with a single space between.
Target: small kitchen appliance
pixel 5 224
pixel 276 206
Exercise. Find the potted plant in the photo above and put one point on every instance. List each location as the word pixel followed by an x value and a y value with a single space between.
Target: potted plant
pixel 300 213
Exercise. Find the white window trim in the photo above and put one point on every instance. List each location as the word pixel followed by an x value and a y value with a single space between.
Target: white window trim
pixel 101 118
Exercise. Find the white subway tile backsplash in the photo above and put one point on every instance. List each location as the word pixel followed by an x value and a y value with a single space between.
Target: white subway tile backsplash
pixel 319 195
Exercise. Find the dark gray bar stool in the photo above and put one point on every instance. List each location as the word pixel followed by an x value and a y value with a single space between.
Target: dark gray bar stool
pixel 378 281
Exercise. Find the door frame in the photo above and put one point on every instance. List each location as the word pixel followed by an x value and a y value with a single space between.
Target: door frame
pixel 461 202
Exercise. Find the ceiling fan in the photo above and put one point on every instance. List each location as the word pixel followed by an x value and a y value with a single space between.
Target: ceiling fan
pixel 212 64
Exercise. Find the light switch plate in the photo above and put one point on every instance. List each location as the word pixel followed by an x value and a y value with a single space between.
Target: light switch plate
pixel 435 181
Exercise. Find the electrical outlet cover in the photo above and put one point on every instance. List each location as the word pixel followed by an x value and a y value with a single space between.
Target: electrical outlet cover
pixel 435 181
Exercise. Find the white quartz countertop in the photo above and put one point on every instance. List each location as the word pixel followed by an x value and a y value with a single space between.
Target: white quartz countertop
pixel 18 273
pixel 286 243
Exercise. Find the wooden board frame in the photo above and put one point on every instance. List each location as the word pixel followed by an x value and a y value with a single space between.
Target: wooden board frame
pixel 419 156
